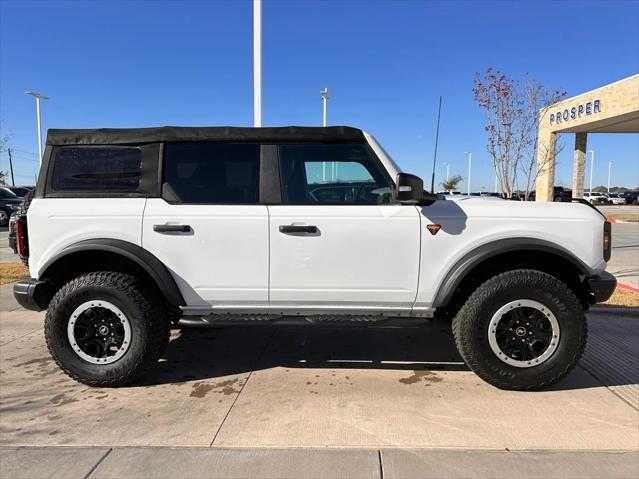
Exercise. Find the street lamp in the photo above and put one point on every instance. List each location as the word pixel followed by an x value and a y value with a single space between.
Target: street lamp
pixel 470 159
pixel 609 169
pixel 592 165
pixel 324 95
pixel 38 97
pixel 447 171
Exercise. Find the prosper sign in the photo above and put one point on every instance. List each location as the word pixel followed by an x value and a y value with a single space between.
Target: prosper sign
pixel 575 112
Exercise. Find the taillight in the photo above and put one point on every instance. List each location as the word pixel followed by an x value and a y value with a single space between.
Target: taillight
pixel 22 237
pixel 607 240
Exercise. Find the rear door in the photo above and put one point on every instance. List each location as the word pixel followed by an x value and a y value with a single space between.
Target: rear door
pixel 208 227
pixel 338 240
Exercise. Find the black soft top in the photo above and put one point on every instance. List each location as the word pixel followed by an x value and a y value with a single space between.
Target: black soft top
pixel 127 136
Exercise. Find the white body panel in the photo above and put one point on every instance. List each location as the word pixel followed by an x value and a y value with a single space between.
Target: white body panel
pixel 362 256
pixel 223 261
pixel 469 223
pixel 55 223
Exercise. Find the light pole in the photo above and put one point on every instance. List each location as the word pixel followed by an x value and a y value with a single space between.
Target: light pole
pixel 257 63
pixel 38 97
pixel 592 165
pixel 495 183
pixel 470 160
pixel 324 95
pixel 609 169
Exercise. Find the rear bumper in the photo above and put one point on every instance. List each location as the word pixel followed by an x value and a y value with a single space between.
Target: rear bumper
pixel 602 286
pixel 32 294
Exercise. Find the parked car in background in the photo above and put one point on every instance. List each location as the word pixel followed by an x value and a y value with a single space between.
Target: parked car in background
pixel 20 190
pixel 596 198
pixel 9 202
pixel 615 198
pixel 631 197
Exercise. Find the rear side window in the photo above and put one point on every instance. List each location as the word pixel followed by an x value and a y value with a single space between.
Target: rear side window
pixel 210 173
pixel 97 169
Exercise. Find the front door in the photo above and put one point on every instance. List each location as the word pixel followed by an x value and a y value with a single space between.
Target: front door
pixel 338 241
pixel 209 228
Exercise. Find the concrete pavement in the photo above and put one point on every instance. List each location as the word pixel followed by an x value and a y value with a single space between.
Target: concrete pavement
pixel 223 463
pixel 318 402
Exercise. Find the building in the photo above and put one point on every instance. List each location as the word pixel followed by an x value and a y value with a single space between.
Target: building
pixel 612 108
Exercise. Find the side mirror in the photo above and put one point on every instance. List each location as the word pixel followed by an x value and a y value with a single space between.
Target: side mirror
pixel 410 190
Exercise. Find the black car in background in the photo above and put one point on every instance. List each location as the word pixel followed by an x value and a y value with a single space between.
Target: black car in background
pixel 9 202
pixel 19 190
pixel 632 197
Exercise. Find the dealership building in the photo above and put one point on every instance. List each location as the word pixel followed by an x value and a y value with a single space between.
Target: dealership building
pixel 612 108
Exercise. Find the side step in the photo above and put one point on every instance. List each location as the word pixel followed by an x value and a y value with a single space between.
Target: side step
pixel 214 320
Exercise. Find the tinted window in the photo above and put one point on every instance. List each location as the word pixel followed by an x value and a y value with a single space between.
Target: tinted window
pixel 90 169
pixel 213 172
pixel 332 174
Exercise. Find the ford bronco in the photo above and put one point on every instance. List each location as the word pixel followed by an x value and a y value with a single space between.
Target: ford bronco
pixel 131 232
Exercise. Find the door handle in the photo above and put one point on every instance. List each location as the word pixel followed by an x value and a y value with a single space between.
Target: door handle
pixel 298 229
pixel 172 228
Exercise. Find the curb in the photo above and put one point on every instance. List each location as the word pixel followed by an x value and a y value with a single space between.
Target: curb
pixel 615 220
pixel 627 287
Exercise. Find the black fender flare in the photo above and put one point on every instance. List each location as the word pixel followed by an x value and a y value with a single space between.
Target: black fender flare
pixel 467 263
pixel 158 272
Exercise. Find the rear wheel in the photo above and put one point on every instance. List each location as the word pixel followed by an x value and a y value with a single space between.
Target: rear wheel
pixel 104 329
pixel 521 330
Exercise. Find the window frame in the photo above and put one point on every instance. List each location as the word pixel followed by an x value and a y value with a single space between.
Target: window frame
pixel 373 156
pixel 168 195
pixel 147 187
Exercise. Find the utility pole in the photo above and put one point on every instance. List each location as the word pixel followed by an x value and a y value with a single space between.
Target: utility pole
pixel 257 63
pixel 609 169
pixel 10 153
pixel 470 158
pixel 38 96
pixel 495 183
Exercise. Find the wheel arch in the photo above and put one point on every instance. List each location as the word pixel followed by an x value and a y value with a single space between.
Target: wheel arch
pixel 504 255
pixel 111 254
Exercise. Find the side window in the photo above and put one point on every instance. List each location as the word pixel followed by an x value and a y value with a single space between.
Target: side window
pixel 96 169
pixel 342 174
pixel 221 173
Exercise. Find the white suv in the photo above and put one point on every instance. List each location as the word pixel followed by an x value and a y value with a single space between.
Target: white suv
pixel 131 232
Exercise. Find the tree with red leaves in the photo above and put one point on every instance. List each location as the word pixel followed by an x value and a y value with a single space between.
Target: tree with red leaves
pixel 513 111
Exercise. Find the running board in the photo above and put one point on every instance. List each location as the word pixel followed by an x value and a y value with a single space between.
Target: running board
pixel 267 313
pixel 214 320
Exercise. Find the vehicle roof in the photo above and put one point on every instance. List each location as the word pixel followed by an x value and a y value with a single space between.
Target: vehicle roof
pixel 119 136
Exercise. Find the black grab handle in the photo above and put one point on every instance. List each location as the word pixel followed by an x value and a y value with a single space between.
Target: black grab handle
pixel 172 228
pixel 298 229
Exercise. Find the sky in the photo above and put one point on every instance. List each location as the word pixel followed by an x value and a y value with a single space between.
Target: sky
pixel 385 63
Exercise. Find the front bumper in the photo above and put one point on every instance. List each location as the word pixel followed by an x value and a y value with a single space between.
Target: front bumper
pixel 32 294
pixel 602 286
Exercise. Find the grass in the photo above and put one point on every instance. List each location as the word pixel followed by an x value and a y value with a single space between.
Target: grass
pixel 10 272
pixel 626 217
pixel 623 298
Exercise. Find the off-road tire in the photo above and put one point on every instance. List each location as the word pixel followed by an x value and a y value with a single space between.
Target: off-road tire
pixel 149 327
pixel 470 329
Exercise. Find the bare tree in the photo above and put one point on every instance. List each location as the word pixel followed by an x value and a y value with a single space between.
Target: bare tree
pixel 513 111
pixel 451 183
pixel 4 142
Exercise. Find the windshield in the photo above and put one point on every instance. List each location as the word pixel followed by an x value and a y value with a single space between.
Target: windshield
pixel 6 194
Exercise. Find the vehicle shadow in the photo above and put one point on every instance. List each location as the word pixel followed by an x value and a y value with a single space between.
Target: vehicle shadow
pixel 216 352
pixel 198 354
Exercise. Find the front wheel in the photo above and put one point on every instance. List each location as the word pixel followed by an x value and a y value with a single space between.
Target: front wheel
pixel 521 330
pixel 105 329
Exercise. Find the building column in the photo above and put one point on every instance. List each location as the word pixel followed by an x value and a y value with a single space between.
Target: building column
pixel 546 151
pixel 579 165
